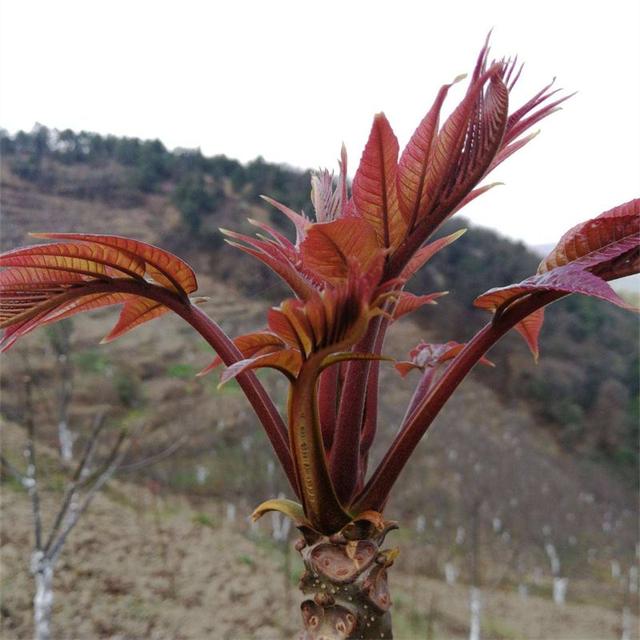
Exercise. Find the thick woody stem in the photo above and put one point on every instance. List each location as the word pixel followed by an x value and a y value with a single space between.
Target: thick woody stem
pixel 345 581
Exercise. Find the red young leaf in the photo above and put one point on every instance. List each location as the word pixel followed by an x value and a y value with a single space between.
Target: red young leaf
pixel 86 303
pixel 327 324
pixel 571 278
pixel 469 138
pixel 428 355
pixel 287 361
pixel 277 237
pixel 331 250
pixel 601 249
pixel 135 312
pixel 297 315
pixel 529 329
pixel 403 367
pixel 508 150
pixel 85 259
pixel 300 222
pixel 331 320
pixel 343 180
pixel 30 283
pixel 423 255
pixel 473 194
pixel 45 283
pixel 282 260
pixel 76 305
pixel 523 119
pixel 250 345
pixel 526 116
pixel 165 268
pixel 327 255
pixel 326 199
pixel 408 303
pixel 414 162
pixel 593 235
pixel 281 325
pixel 14 332
pixel 374 185
pixel 486 119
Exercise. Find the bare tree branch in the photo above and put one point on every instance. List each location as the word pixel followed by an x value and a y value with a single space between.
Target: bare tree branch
pixel 75 483
pixel 111 465
pixel 88 479
pixel 161 455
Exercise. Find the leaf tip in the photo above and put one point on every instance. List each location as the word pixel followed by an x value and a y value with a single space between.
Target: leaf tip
pixel 199 300
pixel 535 352
pixel 38 234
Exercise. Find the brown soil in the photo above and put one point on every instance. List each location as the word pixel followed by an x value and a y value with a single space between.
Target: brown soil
pixel 143 566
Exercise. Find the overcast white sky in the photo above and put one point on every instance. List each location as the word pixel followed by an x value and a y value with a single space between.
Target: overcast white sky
pixel 291 80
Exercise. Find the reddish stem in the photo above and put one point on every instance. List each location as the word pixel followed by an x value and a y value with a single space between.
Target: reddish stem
pixel 345 450
pixel 369 426
pixel 376 491
pixel 250 385
pixel 328 403
pixel 320 503
pixel 422 388
pixel 370 418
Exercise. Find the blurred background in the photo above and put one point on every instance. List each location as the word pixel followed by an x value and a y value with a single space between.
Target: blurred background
pixel 163 123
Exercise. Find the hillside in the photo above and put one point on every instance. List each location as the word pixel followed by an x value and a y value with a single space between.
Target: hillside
pixel 181 198
pixel 526 456
pixel 135 569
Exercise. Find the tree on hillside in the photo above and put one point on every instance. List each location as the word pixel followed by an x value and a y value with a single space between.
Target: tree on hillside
pixel 87 478
pixel 195 199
